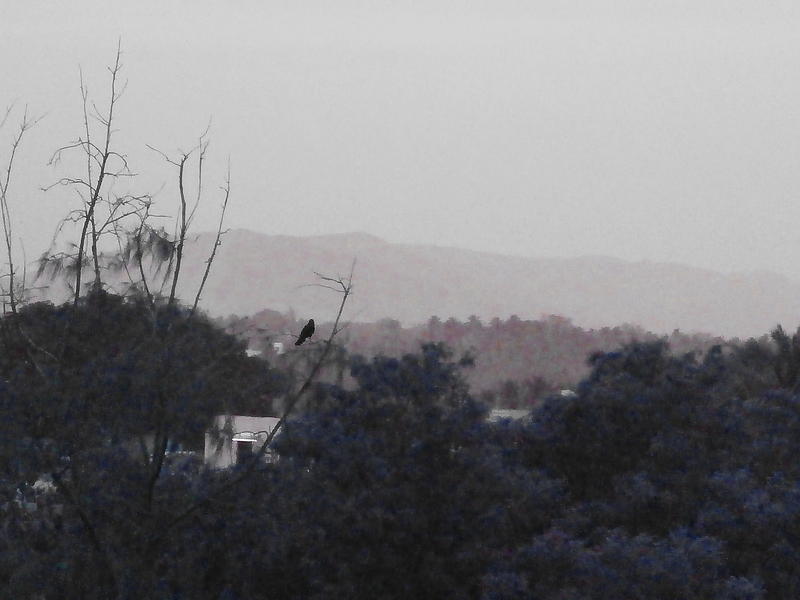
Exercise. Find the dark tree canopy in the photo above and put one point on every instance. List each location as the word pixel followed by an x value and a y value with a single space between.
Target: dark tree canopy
pixel 125 372
pixel 666 476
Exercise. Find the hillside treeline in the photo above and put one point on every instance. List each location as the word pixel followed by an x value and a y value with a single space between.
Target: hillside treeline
pixel 517 362
pixel 668 475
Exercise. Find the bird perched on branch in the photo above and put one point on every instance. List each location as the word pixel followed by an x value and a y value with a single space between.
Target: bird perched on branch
pixel 307 332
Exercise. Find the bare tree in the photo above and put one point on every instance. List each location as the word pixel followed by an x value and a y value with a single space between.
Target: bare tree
pixel 104 165
pixel 185 217
pixel 5 180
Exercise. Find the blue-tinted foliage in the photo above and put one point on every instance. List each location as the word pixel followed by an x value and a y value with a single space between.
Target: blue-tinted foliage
pixel 665 477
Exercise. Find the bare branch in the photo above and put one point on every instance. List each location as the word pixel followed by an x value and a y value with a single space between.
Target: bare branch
pixel 163 155
pixel 24 268
pixel 183 225
pixel 217 242
pixel 322 285
pixel 113 219
pixel 9 108
pixel 203 146
pixel 90 149
pixel 88 146
pixel 141 267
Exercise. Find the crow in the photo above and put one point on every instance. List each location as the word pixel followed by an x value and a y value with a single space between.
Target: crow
pixel 307 332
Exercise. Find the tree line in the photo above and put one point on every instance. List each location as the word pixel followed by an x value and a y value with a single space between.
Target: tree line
pixel 517 362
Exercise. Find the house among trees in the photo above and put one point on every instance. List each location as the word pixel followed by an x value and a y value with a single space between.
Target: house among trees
pixel 233 438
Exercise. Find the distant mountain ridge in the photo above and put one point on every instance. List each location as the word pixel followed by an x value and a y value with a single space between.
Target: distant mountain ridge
pixel 410 283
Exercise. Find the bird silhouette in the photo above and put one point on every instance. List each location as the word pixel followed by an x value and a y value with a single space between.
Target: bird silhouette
pixel 306 333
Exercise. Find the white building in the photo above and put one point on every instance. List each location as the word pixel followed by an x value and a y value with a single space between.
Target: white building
pixel 233 438
pixel 498 414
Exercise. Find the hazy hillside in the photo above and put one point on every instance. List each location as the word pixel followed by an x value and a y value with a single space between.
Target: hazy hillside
pixel 254 271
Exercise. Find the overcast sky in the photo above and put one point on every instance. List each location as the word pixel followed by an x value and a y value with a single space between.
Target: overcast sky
pixel 641 129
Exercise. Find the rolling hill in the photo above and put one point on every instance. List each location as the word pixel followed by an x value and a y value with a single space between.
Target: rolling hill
pixel 411 283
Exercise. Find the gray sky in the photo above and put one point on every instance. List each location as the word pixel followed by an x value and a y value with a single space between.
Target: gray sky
pixel 662 131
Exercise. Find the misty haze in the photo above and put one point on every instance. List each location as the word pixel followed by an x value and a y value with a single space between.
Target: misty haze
pixel 400 300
